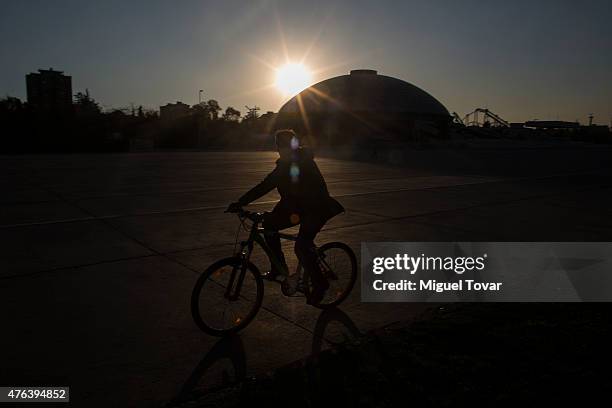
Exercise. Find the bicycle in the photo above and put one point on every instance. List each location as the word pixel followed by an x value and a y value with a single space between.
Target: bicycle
pixel 234 286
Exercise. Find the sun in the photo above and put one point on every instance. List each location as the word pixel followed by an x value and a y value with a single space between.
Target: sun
pixel 292 78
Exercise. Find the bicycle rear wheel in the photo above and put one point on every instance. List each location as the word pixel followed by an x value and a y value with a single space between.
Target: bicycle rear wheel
pixel 339 266
pixel 225 297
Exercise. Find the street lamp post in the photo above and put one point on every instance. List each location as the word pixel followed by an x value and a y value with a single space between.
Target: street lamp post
pixel 199 119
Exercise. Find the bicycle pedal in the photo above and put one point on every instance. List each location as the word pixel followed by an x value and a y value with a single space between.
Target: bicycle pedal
pixel 287 289
pixel 275 278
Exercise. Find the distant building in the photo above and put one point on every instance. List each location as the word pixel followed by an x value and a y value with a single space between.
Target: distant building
pixel 49 91
pixel 172 111
pixel 363 107
pixel 551 124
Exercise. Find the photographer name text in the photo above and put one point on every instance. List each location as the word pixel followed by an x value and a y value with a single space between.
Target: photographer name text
pixel 434 286
pixel 413 264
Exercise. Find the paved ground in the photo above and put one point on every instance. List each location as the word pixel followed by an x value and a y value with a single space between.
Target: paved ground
pixel 99 254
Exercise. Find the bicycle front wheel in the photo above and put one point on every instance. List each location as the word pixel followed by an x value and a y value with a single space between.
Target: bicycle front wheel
pixel 339 266
pixel 226 297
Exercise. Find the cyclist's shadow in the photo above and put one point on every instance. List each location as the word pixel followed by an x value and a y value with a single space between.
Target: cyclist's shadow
pixel 228 348
pixel 324 332
pixel 231 348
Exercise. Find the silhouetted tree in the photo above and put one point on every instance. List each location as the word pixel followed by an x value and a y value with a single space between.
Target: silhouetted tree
pixel 151 114
pixel 200 110
pixel 213 109
pixel 85 105
pixel 252 114
pixel 88 128
pixel 231 114
pixel 16 123
pixel 10 105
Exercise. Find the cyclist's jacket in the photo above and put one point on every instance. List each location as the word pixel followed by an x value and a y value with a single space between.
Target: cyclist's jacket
pixel 300 185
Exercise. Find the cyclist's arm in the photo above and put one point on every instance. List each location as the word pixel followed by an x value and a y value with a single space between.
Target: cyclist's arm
pixel 268 184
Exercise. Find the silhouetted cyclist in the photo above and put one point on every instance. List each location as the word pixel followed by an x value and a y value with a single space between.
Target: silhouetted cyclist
pixel 304 200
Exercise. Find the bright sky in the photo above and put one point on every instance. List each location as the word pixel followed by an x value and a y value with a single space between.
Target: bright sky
pixel 545 59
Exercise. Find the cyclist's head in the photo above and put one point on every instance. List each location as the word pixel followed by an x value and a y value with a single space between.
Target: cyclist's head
pixel 286 141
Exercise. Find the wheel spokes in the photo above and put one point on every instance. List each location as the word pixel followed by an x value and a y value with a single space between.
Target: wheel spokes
pixel 227 298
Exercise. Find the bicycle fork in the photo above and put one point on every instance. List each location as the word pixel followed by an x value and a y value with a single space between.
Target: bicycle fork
pixel 238 273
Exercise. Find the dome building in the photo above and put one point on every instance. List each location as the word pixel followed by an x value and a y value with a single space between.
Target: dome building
pixel 361 107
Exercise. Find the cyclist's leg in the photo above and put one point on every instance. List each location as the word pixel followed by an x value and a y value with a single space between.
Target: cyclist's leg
pixel 279 218
pixel 306 252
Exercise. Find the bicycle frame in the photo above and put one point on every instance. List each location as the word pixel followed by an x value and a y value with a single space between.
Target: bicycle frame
pixel 246 248
pixel 237 278
pixel 257 234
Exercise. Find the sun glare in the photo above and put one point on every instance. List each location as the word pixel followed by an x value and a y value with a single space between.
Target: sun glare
pixel 292 78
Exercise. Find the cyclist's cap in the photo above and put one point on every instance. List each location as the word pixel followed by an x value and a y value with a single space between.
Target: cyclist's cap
pixel 287 138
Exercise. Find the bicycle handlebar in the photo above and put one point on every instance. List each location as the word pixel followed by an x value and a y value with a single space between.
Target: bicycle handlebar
pixel 242 213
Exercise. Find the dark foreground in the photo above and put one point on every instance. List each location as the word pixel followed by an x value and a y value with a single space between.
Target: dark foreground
pixel 99 254
pixel 455 355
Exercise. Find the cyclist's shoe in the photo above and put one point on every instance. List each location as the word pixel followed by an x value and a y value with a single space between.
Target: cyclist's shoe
pixel 318 292
pixel 287 288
